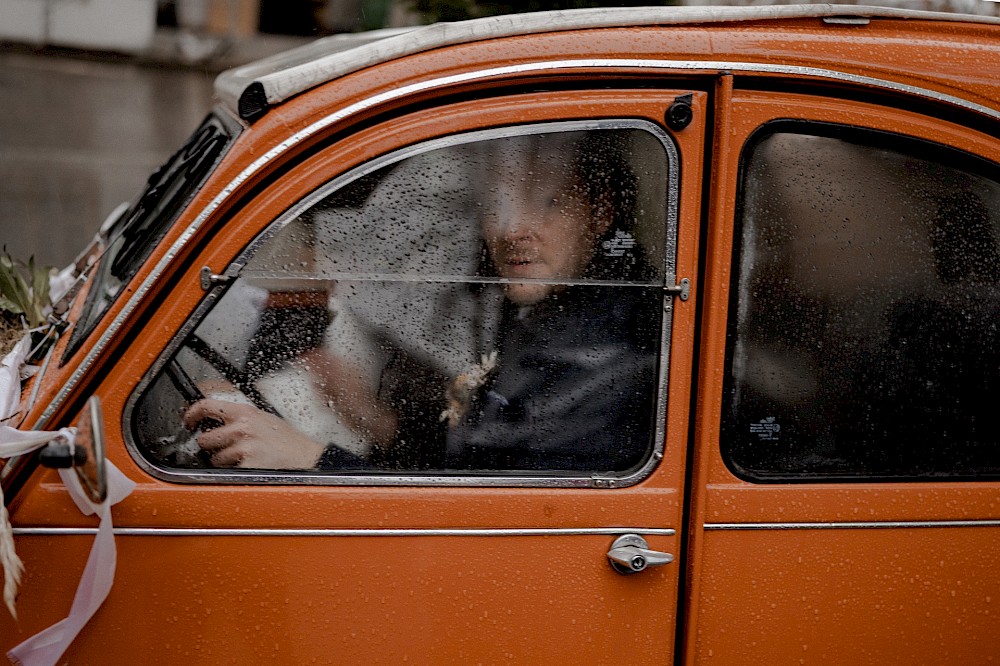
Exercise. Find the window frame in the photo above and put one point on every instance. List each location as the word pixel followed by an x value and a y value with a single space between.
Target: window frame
pixel 231 476
pixel 869 137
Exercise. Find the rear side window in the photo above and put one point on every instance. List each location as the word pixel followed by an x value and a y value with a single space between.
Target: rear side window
pixel 487 303
pixel 863 335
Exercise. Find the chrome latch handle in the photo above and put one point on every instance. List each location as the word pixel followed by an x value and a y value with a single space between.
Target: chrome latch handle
pixel 210 279
pixel 630 554
pixel 681 290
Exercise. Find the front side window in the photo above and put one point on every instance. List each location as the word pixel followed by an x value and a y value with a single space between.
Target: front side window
pixel 865 309
pixel 135 234
pixel 488 303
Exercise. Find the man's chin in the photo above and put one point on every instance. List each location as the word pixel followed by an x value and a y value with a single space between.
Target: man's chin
pixel 526 293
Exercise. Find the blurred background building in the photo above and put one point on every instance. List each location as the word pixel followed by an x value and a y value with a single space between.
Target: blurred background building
pixel 189 30
pixel 133 25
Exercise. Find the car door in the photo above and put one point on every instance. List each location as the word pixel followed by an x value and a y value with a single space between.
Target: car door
pixel 844 508
pixel 437 541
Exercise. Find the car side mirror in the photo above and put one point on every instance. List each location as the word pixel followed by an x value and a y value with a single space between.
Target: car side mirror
pixel 86 456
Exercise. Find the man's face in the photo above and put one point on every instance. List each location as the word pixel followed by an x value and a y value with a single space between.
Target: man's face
pixel 539 226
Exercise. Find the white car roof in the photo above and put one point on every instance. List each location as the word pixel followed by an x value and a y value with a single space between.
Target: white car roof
pixel 250 89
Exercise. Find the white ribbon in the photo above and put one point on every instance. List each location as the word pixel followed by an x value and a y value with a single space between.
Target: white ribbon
pixel 14 443
pixel 47 646
pixel 10 378
pixel 18 443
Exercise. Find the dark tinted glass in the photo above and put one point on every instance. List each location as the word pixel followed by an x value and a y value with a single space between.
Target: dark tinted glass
pixel 865 308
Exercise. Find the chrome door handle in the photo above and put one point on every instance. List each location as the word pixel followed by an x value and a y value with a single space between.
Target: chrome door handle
pixel 630 554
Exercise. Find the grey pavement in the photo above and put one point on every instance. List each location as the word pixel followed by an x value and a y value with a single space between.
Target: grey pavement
pixel 80 133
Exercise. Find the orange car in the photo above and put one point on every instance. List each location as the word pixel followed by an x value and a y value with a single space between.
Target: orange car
pixel 420 347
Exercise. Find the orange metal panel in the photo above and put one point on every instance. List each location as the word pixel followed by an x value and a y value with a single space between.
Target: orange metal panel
pixel 353 600
pixel 874 593
pixel 461 599
pixel 864 596
pixel 727 498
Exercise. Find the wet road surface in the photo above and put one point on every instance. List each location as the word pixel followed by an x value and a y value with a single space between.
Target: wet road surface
pixel 78 137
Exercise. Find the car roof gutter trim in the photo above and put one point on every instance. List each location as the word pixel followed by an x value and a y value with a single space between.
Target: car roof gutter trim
pixel 250 89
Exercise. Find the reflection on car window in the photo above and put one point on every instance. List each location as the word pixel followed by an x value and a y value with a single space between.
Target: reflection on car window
pixel 864 338
pixel 493 304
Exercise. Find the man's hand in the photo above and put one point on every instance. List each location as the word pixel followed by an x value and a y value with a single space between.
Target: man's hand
pixel 251 438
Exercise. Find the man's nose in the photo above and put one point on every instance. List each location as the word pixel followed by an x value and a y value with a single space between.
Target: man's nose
pixel 518 228
pixel 515 220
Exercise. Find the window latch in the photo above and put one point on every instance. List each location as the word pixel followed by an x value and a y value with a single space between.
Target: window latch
pixel 210 279
pixel 682 289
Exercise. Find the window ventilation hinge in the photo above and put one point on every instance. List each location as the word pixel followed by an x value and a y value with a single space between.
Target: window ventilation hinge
pixel 210 279
pixel 682 289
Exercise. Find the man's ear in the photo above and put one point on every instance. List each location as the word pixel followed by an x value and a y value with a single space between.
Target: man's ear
pixel 603 214
pixel 603 223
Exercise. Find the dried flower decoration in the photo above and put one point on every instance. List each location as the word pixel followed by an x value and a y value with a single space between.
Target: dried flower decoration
pixel 462 390
pixel 24 297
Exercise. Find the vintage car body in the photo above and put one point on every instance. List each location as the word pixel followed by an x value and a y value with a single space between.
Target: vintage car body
pixel 780 554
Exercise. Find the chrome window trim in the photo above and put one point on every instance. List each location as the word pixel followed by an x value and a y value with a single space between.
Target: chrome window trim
pixel 542 478
pixel 335 532
pixel 860 525
pixel 493 532
pixel 358 107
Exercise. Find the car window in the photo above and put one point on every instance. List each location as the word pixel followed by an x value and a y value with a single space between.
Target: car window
pixel 865 303
pixel 491 302
pixel 135 234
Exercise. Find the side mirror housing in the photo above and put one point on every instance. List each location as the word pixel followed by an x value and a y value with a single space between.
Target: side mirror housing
pixel 85 455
